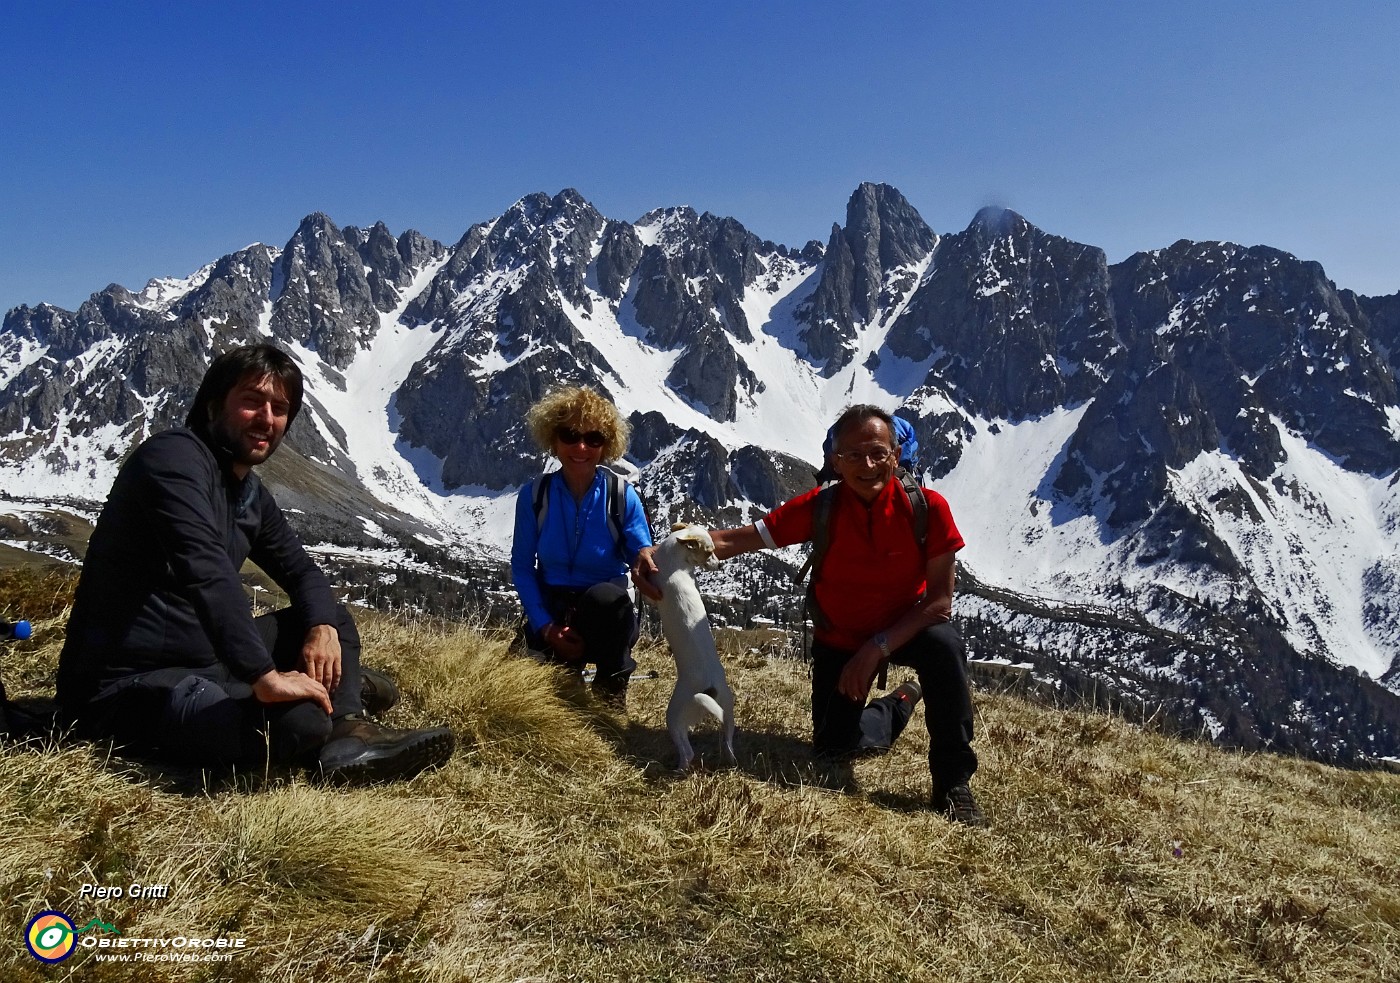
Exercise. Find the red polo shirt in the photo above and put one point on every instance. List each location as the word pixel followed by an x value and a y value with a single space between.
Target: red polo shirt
pixel 873 572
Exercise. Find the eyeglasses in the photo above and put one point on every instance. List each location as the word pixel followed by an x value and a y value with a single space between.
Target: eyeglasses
pixel 569 436
pixel 876 455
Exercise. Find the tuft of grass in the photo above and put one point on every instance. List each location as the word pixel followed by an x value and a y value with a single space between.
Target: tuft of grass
pixel 324 849
pixel 41 596
pixel 501 706
pixel 44 598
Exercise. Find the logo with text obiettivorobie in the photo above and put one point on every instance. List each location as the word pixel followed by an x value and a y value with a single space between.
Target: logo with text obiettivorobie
pixel 51 937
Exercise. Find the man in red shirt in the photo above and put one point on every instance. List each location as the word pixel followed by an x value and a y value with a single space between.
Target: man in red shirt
pixel 881 600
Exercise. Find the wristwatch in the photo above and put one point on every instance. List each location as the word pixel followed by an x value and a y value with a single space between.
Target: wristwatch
pixel 883 643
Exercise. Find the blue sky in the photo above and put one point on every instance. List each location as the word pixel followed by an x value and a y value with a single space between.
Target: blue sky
pixel 146 139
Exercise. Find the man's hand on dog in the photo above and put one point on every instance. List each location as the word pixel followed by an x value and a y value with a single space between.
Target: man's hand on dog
pixel 565 641
pixel 643 570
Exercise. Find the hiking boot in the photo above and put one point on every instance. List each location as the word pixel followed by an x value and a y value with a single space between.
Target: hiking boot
pixel 377 691
pixel 959 806
pixel 360 751
pixel 910 691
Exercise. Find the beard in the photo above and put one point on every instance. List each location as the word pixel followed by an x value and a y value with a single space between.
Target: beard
pixel 241 444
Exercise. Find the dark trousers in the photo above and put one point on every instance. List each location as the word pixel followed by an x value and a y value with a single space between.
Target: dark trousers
pixel 844 726
pixel 205 716
pixel 606 620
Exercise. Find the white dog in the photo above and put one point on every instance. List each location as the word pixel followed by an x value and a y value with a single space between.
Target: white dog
pixel 701 690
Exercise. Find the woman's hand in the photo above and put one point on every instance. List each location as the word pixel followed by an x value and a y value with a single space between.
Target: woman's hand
pixel 643 570
pixel 566 642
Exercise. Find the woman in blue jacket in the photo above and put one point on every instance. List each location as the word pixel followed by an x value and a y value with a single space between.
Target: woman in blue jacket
pixel 577 533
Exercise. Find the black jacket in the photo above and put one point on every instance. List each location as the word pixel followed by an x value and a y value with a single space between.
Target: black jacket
pixel 160 584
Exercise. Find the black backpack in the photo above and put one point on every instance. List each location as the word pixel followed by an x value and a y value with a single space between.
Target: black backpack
pixel 33 716
pixel 821 535
pixel 6 727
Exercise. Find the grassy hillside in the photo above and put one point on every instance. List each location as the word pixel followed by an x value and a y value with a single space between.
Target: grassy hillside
pixel 557 845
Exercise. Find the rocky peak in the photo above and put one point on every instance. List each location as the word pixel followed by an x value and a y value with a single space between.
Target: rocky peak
pixel 993 222
pixel 883 232
pixel 690 278
pixel 1020 321
pixel 234 294
pixel 323 298
pixel 467 259
pixel 882 236
pixel 416 250
pixel 618 256
pixel 387 272
pixel 1256 327
pixel 53 327
pixel 391 262
pixel 671 228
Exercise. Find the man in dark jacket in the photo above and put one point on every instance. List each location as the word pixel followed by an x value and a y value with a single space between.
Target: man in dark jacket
pixel 163 653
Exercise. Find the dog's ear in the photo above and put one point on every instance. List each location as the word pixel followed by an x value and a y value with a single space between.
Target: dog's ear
pixel 678 526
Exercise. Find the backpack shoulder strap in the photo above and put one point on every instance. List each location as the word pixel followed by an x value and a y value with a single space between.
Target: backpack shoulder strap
pixel 615 502
pixel 821 521
pixel 615 490
pixel 918 503
pixel 821 531
pixel 821 542
pixel 539 494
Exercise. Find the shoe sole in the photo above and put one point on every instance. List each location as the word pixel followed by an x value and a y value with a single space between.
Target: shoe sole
pixel 415 754
pixel 977 820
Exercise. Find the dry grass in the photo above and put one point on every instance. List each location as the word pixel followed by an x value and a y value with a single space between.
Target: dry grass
pixel 557 845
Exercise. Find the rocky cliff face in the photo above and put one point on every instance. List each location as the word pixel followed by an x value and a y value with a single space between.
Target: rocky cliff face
pixel 133 361
pixel 871 265
pixel 1017 321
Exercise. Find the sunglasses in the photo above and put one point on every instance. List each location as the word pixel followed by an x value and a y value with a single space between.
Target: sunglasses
pixel 876 455
pixel 569 436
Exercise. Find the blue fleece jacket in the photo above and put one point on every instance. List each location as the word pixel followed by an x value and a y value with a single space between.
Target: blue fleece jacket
pixel 575 548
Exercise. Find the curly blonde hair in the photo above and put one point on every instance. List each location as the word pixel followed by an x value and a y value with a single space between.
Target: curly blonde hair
pixel 582 409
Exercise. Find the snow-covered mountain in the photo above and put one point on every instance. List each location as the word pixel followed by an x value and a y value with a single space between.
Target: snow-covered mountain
pixel 1169 471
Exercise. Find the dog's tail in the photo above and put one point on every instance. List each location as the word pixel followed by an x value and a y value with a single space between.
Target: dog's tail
pixel 707 703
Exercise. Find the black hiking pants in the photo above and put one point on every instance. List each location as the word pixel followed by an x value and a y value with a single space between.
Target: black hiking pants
pixel 845 726
pixel 606 620
pixel 205 716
